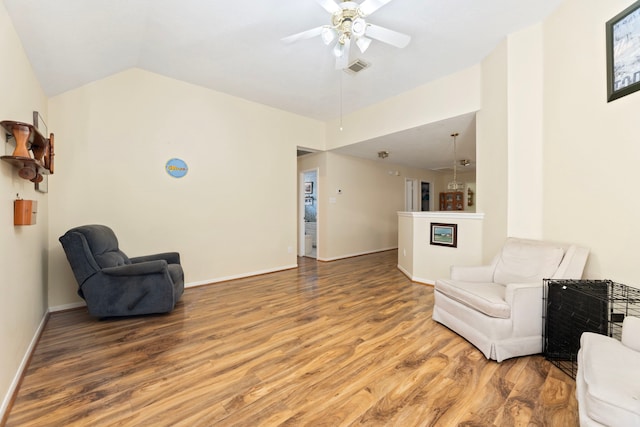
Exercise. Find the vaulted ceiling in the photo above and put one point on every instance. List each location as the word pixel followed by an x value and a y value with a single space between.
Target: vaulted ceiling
pixel 235 47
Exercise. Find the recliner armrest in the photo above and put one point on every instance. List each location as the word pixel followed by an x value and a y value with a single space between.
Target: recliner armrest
pixel 481 273
pixel 170 257
pixel 148 267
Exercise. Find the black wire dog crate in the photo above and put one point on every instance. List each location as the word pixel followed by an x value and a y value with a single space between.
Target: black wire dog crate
pixel 571 307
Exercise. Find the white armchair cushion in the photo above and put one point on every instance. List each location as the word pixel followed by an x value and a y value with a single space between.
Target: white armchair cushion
pixel 525 261
pixel 611 393
pixel 487 298
pixel 480 273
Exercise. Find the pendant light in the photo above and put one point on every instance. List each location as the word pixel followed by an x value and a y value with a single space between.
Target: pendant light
pixel 455 185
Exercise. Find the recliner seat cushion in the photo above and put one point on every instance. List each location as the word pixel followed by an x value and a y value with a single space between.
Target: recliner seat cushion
pixel 488 298
pixel 526 262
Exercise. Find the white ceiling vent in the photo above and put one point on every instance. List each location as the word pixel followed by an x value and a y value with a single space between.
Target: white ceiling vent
pixel 357 66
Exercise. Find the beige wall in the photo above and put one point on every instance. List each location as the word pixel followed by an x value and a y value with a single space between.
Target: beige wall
pixel 358 207
pixel 546 129
pixel 509 143
pixel 425 263
pixel 362 218
pixel 444 98
pixel 233 214
pixel 491 151
pixel 525 127
pixel 590 146
pixel 23 255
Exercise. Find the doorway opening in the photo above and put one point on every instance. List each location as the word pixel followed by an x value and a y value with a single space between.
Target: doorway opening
pixel 425 196
pixel 410 195
pixel 417 195
pixel 309 218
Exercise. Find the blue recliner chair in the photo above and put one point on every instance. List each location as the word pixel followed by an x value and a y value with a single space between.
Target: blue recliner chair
pixel 113 284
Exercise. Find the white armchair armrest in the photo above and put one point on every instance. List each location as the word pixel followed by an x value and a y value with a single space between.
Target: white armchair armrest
pixel 526 307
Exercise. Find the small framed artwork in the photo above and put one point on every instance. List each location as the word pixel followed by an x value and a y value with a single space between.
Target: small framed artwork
pixel 623 44
pixel 444 234
pixel 308 187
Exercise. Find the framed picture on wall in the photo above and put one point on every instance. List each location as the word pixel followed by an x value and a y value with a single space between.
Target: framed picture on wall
pixel 308 187
pixel 623 45
pixel 444 234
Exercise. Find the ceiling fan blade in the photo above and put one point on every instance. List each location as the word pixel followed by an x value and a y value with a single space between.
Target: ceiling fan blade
pixel 388 36
pixel 342 61
pixel 303 35
pixel 329 5
pixel 369 6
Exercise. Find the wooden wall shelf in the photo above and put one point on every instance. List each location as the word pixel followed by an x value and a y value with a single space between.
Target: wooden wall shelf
pixel 33 155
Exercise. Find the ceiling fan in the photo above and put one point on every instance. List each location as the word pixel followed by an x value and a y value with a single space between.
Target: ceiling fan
pixel 348 25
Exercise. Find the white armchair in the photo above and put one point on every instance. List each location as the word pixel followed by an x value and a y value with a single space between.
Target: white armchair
pixel 498 307
pixel 608 379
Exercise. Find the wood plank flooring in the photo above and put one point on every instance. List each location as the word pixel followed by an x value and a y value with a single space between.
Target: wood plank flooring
pixel 349 342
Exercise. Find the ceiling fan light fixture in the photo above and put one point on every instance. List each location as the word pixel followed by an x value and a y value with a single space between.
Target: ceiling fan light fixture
pixel 358 27
pixel 349 23
pixel 328 35
pixel 363 43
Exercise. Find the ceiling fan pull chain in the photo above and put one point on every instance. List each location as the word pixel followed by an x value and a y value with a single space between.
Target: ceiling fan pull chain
pixel 340 102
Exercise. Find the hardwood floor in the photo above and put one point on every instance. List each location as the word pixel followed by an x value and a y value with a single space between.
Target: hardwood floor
pixel 349 342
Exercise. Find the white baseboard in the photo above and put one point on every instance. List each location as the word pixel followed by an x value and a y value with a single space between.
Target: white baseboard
pixel 356 254
pixel 404 271
pixel 21 368
pixel 67 306
pixel 188 285
pixel 423 281
pixel 239 276
pixel 416 279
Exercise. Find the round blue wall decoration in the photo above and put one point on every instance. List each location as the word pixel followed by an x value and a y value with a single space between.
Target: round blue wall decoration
pixel 177 168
